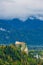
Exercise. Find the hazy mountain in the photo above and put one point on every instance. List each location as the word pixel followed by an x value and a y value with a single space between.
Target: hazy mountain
pixel 29 31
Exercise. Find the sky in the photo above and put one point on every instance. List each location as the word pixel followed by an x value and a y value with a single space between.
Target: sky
pixel 21 9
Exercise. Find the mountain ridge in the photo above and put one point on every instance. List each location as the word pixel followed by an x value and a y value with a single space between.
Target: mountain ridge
pixel 29 31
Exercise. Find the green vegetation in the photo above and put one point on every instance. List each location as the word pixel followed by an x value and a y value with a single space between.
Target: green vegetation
pixel 11 55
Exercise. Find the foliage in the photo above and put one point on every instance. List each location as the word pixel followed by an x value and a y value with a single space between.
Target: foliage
pixel 11 55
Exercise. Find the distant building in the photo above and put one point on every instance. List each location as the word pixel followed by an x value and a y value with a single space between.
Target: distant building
pixel 23 46
pixel 36 56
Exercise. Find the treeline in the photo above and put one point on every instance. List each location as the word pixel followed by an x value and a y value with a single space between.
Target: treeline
pixel 11 55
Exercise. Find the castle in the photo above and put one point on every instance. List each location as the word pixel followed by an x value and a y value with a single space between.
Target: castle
pixel 23 46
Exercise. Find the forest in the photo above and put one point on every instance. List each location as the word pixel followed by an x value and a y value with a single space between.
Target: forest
pixel 12 55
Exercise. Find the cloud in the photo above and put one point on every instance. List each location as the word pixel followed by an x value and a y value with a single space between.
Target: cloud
pixel 5 30
pixel 2 29
pixel 21 9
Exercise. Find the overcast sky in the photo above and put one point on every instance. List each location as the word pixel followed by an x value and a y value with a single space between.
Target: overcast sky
pixel 21 9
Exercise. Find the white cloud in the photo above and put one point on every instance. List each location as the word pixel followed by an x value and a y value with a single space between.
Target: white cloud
pixel 5 30
pixel 20 8
pixel 2 29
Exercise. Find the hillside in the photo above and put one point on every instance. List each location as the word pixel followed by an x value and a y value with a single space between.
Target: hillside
pixel 12 55
pixel 29 31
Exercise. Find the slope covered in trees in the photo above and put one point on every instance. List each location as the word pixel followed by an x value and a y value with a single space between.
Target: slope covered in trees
pixel 11 55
